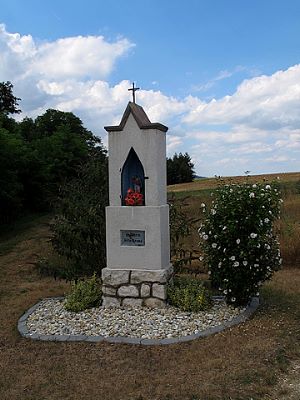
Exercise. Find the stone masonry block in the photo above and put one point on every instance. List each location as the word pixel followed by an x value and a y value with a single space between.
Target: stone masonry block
pixel 110 291
pixel 132 302
pixel 115 277
pixel 128 291
pixel 110 302
pixel 145 290
pixel 159 291
pixel 140 276
pixel 154 303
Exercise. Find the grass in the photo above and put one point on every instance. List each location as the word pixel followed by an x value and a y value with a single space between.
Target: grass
pixel 288 226
pixel 210 183
pixel 11 235
pixel 242 362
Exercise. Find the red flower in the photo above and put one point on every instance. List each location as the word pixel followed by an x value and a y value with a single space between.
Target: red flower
pixel 133 198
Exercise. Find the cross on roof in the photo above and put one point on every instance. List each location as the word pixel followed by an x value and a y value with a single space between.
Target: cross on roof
pixel 134 89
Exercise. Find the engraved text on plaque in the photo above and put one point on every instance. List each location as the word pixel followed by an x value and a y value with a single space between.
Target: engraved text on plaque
pixel 133 238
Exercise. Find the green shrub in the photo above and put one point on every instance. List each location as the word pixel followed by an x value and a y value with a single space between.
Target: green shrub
pixel 188 294
pixel 84 294
pixel 240 248
pixel 79 227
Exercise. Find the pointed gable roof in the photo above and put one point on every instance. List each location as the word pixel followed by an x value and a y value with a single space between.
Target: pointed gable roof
pixel 141 119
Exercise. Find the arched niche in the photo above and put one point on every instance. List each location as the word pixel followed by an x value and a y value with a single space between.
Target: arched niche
pixel 132 177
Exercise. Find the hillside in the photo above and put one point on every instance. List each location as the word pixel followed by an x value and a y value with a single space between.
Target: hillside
pixel 210 183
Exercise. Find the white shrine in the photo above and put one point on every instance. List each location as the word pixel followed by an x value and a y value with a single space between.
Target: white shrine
pixel 137 218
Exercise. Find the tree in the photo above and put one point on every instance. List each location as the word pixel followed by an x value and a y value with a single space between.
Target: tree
pixel 38 156
pixel 47 124
pixel 180 169
pixel 58 145
pixel 12 152
pixel 8 102
pixel 79 228
pixel 27 129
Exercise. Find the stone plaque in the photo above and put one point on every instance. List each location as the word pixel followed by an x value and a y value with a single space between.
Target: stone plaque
pixel 132 238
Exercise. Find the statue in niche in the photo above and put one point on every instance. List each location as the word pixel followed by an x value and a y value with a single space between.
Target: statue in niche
pixel 133 181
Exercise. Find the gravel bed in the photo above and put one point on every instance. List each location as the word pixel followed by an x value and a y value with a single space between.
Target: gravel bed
pixel 50 318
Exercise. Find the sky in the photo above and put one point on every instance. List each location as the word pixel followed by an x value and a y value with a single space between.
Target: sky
pixel 223 75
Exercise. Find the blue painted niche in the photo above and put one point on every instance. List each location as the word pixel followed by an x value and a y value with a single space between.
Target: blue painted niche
pixel 133 176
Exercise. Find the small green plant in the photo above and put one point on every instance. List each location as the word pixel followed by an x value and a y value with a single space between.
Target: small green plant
pixel 84 294
pixel 240 248
pixel 188 294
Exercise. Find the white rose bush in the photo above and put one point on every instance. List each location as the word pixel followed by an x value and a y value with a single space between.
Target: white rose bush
pixel 240 247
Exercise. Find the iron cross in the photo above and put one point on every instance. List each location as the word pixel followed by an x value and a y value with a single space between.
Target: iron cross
pixel 134 89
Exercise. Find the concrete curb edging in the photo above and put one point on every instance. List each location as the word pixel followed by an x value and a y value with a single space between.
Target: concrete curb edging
pixel 22 328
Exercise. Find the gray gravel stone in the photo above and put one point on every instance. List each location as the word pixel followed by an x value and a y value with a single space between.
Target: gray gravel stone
pixel 138 325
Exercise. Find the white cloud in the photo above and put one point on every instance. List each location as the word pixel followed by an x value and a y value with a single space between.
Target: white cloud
pixel 81 57
pixel 161 107
pixel 173 142
pixel 265 102
pixel 253 148
pixel 230 160
pixel 65 73
pixel 78 57
pixel 279 159
pixel 224 136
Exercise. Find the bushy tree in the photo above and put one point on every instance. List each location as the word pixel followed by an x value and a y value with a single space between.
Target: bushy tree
pixel 79 227
pixel 240 248
pixel 180 169
pixel 53 120
pixel 12 155
pixel 8 102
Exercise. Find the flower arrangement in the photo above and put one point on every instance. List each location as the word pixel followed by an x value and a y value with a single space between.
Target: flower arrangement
pixel 133 198
pixel 240 247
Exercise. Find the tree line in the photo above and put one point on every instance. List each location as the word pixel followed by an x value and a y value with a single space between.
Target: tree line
pixel 39 156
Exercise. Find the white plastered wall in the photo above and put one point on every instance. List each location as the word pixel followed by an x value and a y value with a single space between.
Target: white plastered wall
pixel 150 147
pixel 155 254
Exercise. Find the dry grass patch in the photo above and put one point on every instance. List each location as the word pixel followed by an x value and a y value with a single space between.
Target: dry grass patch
pixel 211 183
pixel 289 228
pixel 240 363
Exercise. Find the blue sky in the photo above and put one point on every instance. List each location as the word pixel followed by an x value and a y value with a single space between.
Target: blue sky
pixel 224 75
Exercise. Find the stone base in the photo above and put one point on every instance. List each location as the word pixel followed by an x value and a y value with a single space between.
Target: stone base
pixel 135 288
